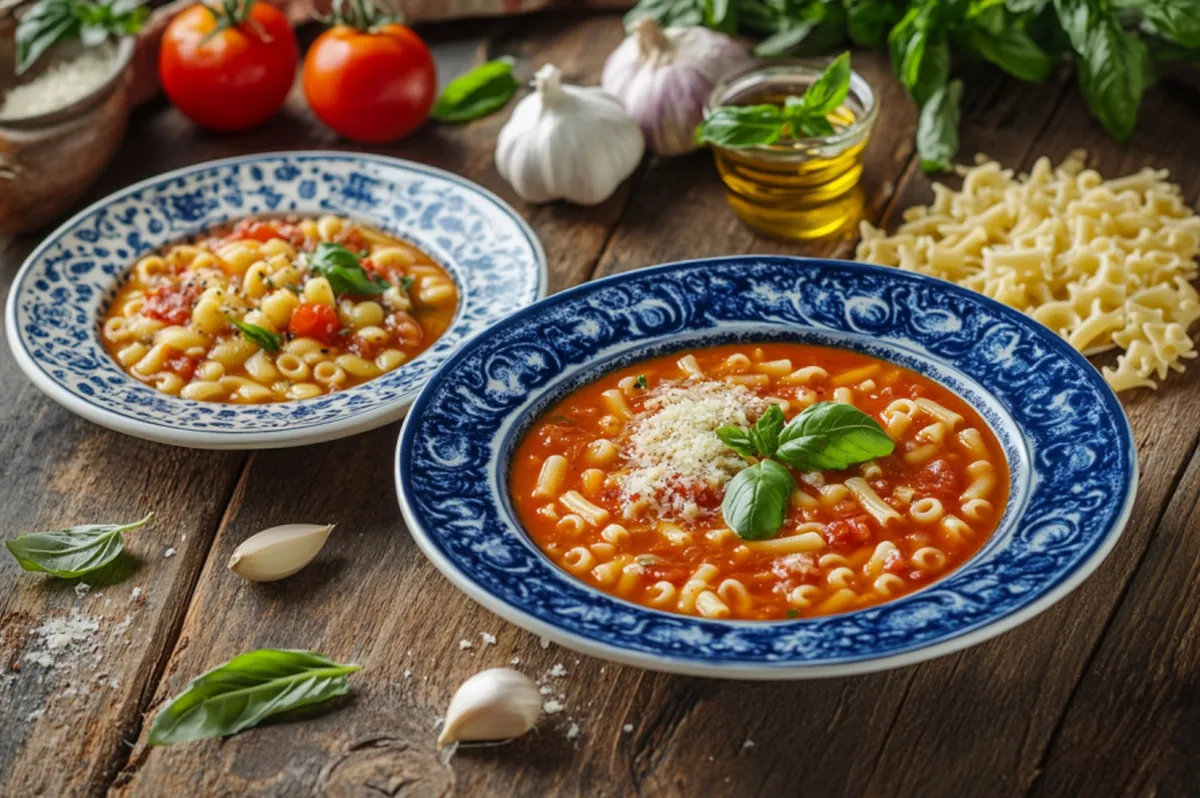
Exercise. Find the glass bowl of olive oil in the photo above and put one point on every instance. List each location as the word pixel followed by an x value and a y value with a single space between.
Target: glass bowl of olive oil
pixel 797 188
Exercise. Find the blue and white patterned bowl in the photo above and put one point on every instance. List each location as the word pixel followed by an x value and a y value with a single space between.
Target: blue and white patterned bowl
pixel 1069 446
pixel 64 287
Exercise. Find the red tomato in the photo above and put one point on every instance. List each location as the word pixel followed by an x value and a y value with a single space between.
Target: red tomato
pixel 171 304
pixel 240 76
pixel 313 320
pixel 182 365
pixel 370 84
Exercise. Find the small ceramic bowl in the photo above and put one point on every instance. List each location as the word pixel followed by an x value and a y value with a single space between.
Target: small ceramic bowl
pixel 64 288
pixel 48 161
pixel 1071 457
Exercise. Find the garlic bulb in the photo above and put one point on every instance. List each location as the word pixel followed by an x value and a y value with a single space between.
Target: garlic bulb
pixel 664 77
pixel 496 704
pixel 567 142
pixel 278 552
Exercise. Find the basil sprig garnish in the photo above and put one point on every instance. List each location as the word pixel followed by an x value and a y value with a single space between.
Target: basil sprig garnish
pixel 73 552
pixel 484 89
pixel 739 126
pixel 261 336
pixel 52 21
pixel 827 436
pixel 344 271
pixel 246 691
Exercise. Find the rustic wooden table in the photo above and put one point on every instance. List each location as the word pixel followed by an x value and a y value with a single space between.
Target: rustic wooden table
pixel 1097 696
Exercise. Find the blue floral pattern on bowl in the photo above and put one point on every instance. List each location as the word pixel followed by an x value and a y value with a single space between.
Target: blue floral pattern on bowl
pixel 61 292
pixel 1067 440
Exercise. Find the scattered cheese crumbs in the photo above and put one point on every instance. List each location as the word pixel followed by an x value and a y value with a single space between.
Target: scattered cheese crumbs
pixel 37 713
pixel 136 594
pixel 573 731
pixel 627 728
pixel 558 670
pixel 673 450
pixel 552 707
pixel 170 552
pixel 515 661
pixel 465 644
pixel 81 589
pixel 748 744
pixel 62 640
pixel 545 690
pixel 545 642
pixel 488 638
pixel 407 673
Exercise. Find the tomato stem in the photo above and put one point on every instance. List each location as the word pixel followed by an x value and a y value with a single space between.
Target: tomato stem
pixel 233 14
pixel 362 15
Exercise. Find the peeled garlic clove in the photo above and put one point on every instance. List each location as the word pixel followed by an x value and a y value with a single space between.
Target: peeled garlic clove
pixel 496 704
pixel 278 552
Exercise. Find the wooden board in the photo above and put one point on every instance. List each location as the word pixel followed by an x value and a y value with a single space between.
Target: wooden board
pixel 1095 696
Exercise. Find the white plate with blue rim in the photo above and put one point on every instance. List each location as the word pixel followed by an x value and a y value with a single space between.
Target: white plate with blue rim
pixel 61 293
pixel 1068 446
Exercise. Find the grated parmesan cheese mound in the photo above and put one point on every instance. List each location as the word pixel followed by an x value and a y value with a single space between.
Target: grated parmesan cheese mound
pixel 1103 263
pixel 60 85
pixel 672 451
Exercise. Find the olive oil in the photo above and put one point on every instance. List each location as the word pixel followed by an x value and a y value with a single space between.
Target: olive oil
pixel 797 189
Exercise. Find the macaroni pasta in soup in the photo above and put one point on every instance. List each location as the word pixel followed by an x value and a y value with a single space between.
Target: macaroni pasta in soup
pixel 272 310
pixel 760 482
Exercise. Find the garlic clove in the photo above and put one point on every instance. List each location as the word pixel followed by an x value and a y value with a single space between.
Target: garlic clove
pixel 496 704
pixel 278 552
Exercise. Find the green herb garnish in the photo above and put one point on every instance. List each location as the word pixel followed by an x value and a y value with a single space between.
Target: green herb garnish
pixel 52 21
pixel 827 436
pixel 295 289
pixel 345 273
pixel 261 336
pixel 641 382
pixel 246 691
pixel 484 89
pixel 739 126
pixel 73 552
pixel 406 283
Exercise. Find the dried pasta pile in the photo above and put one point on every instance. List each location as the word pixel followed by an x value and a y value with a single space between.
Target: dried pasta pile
pixel 1103 263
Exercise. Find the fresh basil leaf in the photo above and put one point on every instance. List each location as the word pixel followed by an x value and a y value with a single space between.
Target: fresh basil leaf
pixel 73 552
pixel 738 439
pixel 1022 6
pixel 736 126
pixel 641 382
pixel 721 15
pixel 1175 20
pixel 764 433
pixel 815 127
pixel 344 272
pixel 785 40
pixel 868 21
pixel 756 500
pixel 246 691
pixel 406 283
pixel 1013 51
pixel 831 436
pixel 52 21
pixel 484 89
pixel 937 129
pixel 827 93
pixel 260 336
pixel 1112 63
pixel 669 12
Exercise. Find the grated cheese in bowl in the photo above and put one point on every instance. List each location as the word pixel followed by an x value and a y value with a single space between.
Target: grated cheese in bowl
pixel 60 84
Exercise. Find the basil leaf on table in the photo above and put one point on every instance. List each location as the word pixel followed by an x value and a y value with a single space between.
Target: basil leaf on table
pixel 721 15
pixel 1175 20
pixel 784 40
pixel 937 130
pixel 246 691
pixel 1112 63
pixel 831 436
pixel 73 552
pixel 344 272
pixel 484 89
pixel 1013 51
pixel 52 21
pixel 868 21
pixel 260 336
pixel 756 500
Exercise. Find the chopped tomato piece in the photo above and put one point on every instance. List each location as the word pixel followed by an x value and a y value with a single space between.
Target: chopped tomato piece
pixel 363 348
pixel 182 365
pixel 314 320
pixel 353 240
pixel 248 229
pixel 937 479
pixel 171 304
pixel 849 532
pixel 408 331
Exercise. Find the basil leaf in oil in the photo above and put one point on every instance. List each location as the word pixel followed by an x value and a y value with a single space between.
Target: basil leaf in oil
pixel 831 436
pixel 72 552
pixel 756 500
pixel 247 690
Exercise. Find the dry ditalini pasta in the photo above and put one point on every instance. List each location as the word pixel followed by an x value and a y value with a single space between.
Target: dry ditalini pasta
pixel 1104 263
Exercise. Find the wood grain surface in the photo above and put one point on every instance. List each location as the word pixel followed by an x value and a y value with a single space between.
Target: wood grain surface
pixel 1097 696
